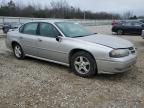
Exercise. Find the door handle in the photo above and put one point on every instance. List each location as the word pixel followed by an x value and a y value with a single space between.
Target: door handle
pixel 40 40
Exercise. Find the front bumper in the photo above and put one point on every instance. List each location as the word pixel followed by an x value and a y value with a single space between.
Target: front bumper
pixel 116 65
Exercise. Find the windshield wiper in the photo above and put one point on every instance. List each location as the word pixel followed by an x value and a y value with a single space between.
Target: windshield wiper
pixel 79 36
pixel 82 35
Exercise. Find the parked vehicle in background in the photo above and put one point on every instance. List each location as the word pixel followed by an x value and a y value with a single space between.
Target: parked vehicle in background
pixel 128 27
pixel 72 45
pixel 117 22
pixel 142 34
pixel 7 26
pixel 114 22
pixel 141 20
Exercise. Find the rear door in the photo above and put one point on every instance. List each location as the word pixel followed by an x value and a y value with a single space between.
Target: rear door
pixel 28 38
pixel 128 27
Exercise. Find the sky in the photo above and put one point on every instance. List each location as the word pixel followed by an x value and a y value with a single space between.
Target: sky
pixel 116 6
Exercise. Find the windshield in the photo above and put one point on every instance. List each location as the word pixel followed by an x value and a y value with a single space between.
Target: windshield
pixel 73 29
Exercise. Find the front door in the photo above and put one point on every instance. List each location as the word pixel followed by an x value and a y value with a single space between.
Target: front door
pixel 128 27
pixel 48 47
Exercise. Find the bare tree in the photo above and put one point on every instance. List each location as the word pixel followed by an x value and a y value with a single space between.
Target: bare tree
pixel 2 2
pixel 128 15
pixel 57 9
pixel 60 7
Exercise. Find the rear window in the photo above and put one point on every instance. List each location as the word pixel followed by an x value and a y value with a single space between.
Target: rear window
pixel 30 28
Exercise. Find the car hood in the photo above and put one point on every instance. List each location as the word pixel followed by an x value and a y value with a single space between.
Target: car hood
pixel 106 40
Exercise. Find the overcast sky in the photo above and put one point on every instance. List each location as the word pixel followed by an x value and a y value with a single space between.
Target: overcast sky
pixel 117 6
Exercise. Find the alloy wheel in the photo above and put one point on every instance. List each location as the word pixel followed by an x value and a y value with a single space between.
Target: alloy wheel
pixel 17 51
pixel 82 65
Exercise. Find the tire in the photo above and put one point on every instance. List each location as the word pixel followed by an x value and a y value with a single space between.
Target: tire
pixel 18 51
pixel 83 64
pixel 5 30
pixel 120 32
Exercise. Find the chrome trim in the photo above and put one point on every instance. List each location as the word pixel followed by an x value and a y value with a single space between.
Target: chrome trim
pixel 65 64
pixel 52 50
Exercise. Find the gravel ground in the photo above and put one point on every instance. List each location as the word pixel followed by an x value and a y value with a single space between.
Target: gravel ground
pixel 32 83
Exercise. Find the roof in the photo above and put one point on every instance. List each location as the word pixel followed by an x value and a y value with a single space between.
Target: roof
pixel 49 21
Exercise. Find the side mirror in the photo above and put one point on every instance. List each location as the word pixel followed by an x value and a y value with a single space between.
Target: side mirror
pixel 59 38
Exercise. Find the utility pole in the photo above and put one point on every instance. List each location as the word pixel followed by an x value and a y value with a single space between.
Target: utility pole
pixel 84 15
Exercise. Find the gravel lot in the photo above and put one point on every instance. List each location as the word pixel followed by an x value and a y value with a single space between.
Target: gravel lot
pixel 32 83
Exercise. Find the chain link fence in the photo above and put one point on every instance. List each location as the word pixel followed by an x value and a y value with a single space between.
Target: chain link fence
pixel 26 19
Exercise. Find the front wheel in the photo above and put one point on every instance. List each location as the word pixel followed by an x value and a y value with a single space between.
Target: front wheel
pixel 83 64
pixel 120 32
pixel 18 52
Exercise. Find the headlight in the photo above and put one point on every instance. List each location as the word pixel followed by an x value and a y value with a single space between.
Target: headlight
pixel 119 53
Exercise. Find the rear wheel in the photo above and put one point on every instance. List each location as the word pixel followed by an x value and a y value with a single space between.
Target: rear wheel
pixel 120 32
pixel 83 64
pixel 18 52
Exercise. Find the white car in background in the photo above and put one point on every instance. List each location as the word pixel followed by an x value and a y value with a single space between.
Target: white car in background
pixel 142 35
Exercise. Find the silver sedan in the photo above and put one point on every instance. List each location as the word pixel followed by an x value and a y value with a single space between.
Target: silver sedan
pixel 71 44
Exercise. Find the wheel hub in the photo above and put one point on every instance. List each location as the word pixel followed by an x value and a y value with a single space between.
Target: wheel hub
pixel 17 51
pixel 82 65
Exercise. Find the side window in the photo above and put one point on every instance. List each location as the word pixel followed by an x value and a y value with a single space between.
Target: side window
pixel 137 24
pixel 30 28
pixel 48 30
pixel 128 24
